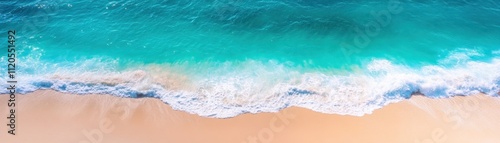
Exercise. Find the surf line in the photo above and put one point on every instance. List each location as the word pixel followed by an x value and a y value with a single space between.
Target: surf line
pixel 11 81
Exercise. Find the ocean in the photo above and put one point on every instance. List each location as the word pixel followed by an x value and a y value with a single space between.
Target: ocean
pixel 222 58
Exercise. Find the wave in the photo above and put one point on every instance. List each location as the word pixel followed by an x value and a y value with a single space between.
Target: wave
pixel 231 88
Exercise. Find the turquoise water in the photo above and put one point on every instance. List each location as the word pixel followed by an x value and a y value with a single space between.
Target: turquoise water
pixel 236 56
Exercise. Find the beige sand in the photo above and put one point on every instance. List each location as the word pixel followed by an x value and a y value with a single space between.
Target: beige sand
pixel 51 117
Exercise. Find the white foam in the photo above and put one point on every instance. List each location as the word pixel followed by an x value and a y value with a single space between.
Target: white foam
pixel 252 87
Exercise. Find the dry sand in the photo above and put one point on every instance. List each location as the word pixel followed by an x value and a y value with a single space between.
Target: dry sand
pixel 51 117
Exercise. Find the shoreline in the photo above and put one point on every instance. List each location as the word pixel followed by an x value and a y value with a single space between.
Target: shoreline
pixel 51 116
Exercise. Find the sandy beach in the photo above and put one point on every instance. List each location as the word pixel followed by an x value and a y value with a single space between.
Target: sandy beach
pixel 49 116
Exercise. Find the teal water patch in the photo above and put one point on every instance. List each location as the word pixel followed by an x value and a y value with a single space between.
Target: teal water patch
pixel 314 34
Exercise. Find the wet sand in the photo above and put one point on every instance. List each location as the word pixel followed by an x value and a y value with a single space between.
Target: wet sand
pixel 49 116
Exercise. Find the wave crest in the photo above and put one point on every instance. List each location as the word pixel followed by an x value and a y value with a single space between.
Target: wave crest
pixel 253 87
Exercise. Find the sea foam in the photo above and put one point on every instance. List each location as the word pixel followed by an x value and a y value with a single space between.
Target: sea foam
pixel 233 88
